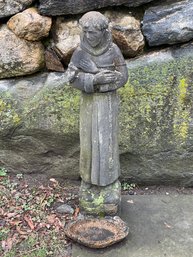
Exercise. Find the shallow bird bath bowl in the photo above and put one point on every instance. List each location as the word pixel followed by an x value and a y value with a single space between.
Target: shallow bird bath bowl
pixel 97 233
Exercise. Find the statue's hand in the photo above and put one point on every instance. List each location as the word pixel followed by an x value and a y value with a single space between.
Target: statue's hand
pixel 104 77
pixel 88 66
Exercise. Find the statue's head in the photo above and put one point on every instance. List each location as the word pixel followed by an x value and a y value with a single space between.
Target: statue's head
pixel 95 32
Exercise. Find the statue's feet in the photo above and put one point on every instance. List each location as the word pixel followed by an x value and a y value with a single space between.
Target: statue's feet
pixel 97 200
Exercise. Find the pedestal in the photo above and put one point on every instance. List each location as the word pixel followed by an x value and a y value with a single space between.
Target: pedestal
pixel 100 201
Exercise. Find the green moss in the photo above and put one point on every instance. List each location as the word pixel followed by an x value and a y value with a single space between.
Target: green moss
pixel 154 109
pixel 9 115
pixel 58 107
pixel 55 109
pixel 104 200
pixel 182 90
pixel 182 112
pixel 100 200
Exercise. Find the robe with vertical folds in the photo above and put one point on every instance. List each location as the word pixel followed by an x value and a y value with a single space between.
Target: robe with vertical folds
pixel 99 151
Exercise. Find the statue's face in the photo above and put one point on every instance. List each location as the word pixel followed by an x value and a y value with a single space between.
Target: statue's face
pixel 93 36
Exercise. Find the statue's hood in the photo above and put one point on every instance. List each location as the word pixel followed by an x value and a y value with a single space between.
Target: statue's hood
pixel 105 44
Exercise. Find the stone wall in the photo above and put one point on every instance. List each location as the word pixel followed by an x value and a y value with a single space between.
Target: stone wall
pixel 39 111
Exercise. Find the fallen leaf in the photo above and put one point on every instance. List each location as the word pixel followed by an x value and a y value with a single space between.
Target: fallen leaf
pixel 1 211
pixel 130 201
pixel 42 187
pixel 48 226
pixel 53 180
pixel 60 200
pixel 3 245
pixel 15 222
pixel 41 225
pixel 20 231
pixel 76 212
pixel 29 221
pixel 58 224
pixel 167 225
pixel 51 219
pixel 11 214
pixel 7 244
pixel 22 237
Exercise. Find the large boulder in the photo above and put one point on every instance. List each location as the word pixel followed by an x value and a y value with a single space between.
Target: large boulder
pixel 39 125
pixel 39 121
pixel 126 32
pixel 10 7
pixel 30 25
pixel 157 118
pixel 60 7
pixel 19 56
pixel 169 23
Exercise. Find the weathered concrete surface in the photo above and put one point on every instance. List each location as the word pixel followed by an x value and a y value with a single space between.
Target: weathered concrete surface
pixel 168 23
pixel 160 226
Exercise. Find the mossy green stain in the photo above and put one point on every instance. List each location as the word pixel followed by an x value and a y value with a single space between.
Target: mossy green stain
pixel 183 85
pixel 182 113
pixel 58 106
pixel 99 200
pixel 90 208
pixel 8 114
pixel 154 114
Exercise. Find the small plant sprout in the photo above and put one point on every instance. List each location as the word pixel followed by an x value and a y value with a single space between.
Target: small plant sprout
pixel 127 186
pixel 3 172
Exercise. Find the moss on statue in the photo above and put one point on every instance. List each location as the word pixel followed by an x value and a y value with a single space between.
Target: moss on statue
pixel 100 200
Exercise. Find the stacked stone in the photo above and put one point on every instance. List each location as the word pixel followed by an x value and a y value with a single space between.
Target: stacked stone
pixel 22 51
pixel 156 116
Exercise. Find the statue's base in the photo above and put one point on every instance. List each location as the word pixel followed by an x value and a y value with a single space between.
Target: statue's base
pixel 100 201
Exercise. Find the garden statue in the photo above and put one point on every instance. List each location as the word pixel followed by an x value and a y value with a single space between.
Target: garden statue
pixel 98 69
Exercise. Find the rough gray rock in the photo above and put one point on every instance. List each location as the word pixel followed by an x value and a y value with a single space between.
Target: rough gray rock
pixel 39 125
pixel 156 118
pixel 10 7
pixel 169 23
pixel 60 7
pixel 65 208
pixel 19 56
pixel 132 3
